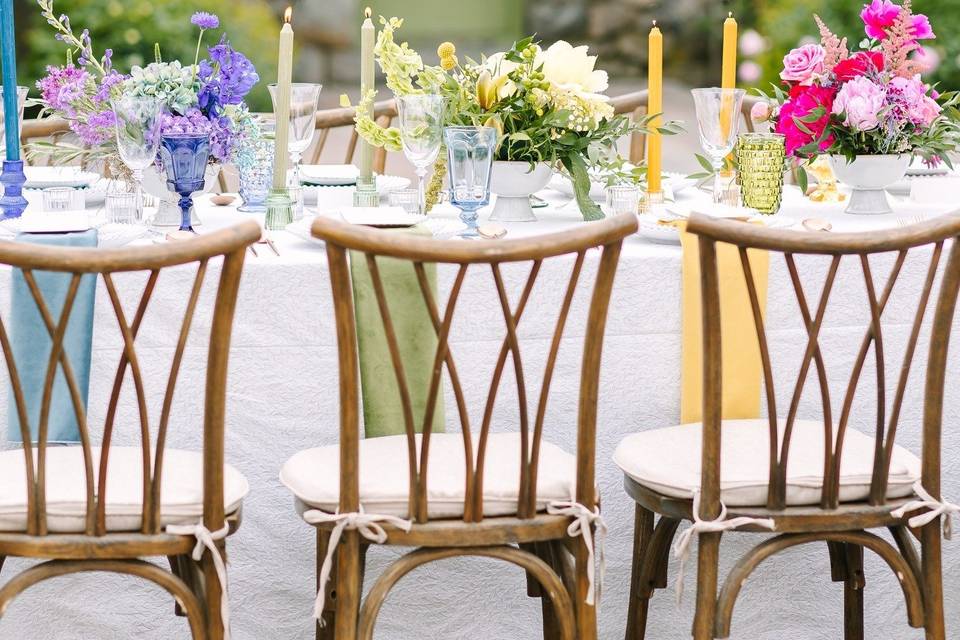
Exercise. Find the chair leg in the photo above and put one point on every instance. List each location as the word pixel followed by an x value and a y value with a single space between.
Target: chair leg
pixel 546 551
pixel 349 586
pixel 328 630
pixel 708 560
pixel 586 615
pixel 639 593
pixel 212 593
pixel 932 585
pixel 846 566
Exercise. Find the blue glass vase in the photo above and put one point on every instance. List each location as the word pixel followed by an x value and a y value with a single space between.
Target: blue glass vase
pixel 469 159
pixel 185 159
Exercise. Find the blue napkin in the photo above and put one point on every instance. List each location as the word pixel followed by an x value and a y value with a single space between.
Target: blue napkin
pixel 31 342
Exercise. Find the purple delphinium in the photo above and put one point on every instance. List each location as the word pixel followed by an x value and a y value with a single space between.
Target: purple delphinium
pixel 107 83
pixel 205 20
pixel 226 78
pixel 62 87
pixel 98 128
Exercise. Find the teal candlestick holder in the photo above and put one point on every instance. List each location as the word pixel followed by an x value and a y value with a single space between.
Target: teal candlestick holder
pixel 279 210
pixel 366 194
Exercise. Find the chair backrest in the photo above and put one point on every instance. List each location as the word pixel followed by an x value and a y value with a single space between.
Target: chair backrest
pixel 635 104
pixel 384 114
pixel 607 235
pixel 76 263
pixel 52 130
pixel 834 248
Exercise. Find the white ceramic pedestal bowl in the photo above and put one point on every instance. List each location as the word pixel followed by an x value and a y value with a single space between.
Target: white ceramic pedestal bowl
pixel 868 177
pixel 514 183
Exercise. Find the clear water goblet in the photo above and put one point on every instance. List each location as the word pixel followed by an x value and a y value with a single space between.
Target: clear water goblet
pixel 304 100
pixel 138 120
pixel 421 131
pixel 470 158
pixel 718 119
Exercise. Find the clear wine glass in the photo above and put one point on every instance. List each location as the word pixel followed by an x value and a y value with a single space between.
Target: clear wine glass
pixel 718 118
pixel 138 137
pixel 421 130
pixel 304 100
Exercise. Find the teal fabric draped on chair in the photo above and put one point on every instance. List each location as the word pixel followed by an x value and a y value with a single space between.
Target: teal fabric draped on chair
pixel 32 344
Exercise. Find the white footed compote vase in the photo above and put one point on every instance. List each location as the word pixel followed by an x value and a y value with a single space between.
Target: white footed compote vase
pixel 514 182
pixel 868 176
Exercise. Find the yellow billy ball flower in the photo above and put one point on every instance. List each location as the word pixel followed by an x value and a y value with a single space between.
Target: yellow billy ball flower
pixel 448 63
pixel 446 50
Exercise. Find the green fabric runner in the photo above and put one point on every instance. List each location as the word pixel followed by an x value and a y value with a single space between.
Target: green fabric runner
pixel 382 409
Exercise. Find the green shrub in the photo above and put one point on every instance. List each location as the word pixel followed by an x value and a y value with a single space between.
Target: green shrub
pixel 131 27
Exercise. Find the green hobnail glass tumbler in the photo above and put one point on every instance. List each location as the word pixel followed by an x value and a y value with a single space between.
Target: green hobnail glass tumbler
pixel 761 164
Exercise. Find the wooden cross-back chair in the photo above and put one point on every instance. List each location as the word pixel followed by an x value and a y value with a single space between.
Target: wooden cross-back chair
pixel 635 105
pixel 768 454
pixel 52 129
pixel 134 504
pixel 506 521
pixel 384 114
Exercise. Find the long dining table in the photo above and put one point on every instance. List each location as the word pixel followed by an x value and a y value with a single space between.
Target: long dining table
pixel 282 397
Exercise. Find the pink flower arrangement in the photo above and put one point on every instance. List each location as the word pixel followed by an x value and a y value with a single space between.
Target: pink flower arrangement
pixel 872 101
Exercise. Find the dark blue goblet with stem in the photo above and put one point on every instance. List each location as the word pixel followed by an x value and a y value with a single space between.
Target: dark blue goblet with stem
pixel 185 158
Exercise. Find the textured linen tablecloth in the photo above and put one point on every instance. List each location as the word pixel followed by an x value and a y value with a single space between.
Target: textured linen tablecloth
pixel 282 397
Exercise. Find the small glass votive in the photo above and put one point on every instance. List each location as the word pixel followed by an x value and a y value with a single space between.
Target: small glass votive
pixel 62 199
pixel 296 196
pixel 122 208
pixel 407 199
pixel 623 198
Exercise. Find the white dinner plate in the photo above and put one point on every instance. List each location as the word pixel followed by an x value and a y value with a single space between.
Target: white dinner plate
pixel 48 177
pixel 47 222
pixel 329 175
pixel 384 217
pixel 673 184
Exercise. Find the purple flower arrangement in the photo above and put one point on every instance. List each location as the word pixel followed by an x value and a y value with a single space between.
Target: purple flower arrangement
pixel 200 98
pixel 867 102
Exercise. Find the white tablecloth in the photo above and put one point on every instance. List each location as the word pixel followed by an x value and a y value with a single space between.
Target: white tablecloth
pixel 282 397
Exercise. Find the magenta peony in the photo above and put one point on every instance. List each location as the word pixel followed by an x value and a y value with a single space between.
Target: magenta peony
pixel 859 102
pixel 803 64
pixel 921 28
pixel 878 16
pixel 804 100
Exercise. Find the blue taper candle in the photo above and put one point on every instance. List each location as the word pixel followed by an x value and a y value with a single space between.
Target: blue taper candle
pixel 11 111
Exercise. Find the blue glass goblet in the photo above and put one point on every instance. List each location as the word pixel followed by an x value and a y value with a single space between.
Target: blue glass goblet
pixel 470 158
pixel 185 158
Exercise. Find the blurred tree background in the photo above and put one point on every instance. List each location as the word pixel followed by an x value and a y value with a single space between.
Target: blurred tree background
pixel 617 30
pixel 131 27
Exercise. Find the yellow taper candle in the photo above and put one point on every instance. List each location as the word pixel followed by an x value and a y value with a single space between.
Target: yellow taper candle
pixel 654 107
pixel 367 84
pixel 282 107
pixel 728 77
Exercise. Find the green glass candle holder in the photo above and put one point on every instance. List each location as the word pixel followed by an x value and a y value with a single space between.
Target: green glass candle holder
pixel 760 161
pixel 279 210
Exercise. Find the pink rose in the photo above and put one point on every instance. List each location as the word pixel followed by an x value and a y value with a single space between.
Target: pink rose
pixel 803 63
pixel 760 111
pixel 878 16
pixel 859 102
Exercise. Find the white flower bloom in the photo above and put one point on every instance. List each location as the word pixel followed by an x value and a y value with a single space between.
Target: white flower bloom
pixel 571 68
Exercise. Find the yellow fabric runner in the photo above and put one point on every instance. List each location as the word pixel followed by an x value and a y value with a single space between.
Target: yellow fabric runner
pixel 742 366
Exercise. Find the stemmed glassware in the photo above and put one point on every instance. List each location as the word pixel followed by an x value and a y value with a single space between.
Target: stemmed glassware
pixel 138 137
pixel 304 100
pixel 421 130
pixel 470 157
pixel 718 118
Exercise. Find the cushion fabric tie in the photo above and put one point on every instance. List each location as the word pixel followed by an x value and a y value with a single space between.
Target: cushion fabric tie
pixel 206 540
pixel 681 547
pixel 365 523
pixel 936 508
pixel 590 525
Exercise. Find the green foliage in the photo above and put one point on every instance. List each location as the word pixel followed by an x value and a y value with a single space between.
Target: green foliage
pixel 132 27
pixel 786 22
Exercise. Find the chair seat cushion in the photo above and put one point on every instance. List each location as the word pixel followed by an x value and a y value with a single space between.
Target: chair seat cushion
pixel 181 491
pixel 313 475
pixel 668 462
